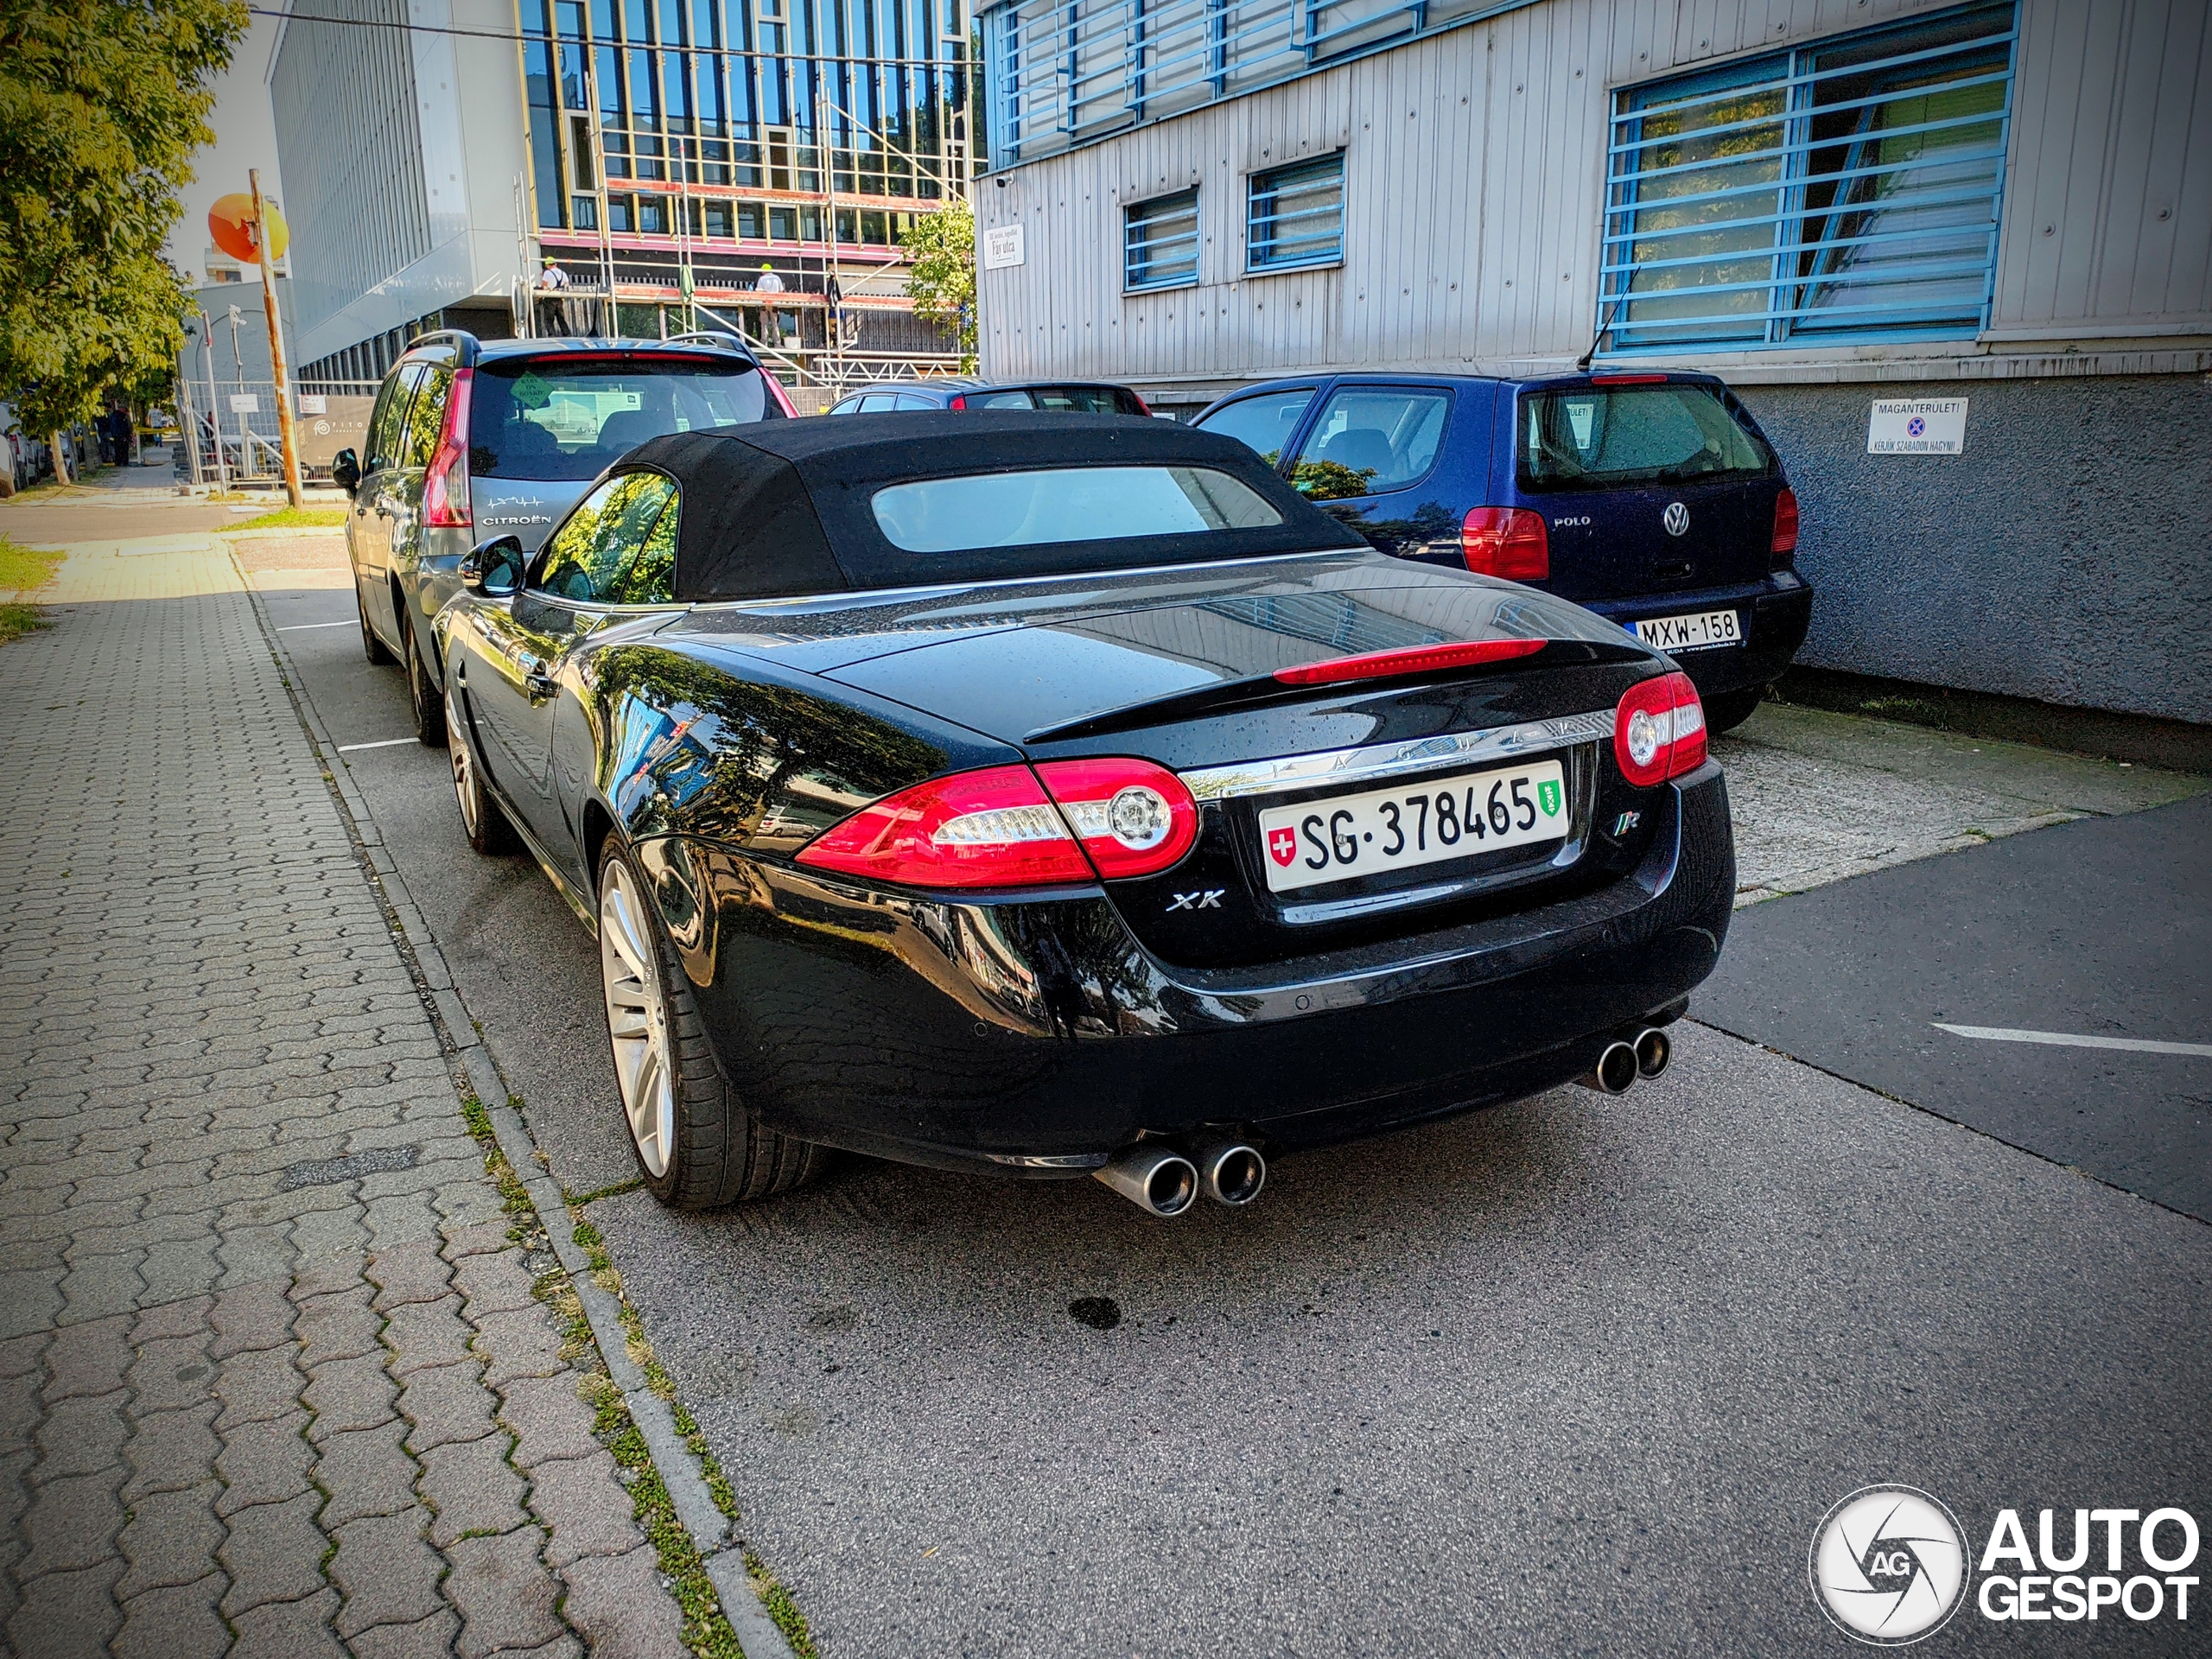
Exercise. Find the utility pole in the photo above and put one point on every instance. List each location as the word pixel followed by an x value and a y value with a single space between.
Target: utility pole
pixel 261 241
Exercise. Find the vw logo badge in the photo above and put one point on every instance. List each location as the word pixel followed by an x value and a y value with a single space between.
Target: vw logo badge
pixel 1676 519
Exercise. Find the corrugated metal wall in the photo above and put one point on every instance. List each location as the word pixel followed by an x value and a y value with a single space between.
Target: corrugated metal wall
pixel 1474 182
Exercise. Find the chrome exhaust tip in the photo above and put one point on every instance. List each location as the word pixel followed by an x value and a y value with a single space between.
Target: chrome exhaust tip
pixel 1231 1172
pixel 1615 1071
pixel 1155 1179
pixel 1655 1052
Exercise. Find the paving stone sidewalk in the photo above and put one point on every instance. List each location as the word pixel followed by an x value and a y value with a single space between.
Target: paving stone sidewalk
pixel 272 1377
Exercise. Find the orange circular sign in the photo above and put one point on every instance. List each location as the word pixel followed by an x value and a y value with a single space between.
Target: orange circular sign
pixel 230 222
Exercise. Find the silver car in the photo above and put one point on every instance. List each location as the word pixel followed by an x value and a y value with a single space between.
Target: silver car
pixel 472 439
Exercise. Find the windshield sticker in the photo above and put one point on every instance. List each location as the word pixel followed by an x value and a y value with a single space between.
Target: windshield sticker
pixel 531 392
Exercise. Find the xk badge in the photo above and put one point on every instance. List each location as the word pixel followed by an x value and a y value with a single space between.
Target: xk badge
pixel 1205 899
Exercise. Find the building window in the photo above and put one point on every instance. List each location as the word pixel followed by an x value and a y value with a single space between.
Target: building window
pixel 652 216
pixel 1846 190
pixel 1160 243
pixel 1297 216
pixel 620 218
pixel 718 220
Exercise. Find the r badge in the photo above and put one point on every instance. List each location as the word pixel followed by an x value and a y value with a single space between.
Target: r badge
pixel 1626 821
pixel 1282 845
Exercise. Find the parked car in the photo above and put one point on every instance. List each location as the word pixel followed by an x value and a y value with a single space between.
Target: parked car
pixel 469 437
pixel 1063 396
pixel 1653 499
pixel 1118 814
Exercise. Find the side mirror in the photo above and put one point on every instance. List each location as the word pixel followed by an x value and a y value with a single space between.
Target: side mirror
pixel 346 471
pixel 494 569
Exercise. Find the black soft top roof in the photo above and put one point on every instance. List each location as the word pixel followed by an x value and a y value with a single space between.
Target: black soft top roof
pixel 783 508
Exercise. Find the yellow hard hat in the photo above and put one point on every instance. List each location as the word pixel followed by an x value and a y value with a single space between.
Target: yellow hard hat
pixel 765 265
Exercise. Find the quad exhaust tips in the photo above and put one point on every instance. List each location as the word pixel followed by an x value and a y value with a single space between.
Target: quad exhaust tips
pixel 1231 1172
pixel 1155 1179
pixel 1623 1063
pixel 1163 1181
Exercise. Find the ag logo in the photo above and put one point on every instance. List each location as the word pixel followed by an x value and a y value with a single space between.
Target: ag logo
pixel 1676 519
pixel 1548 796
pixel 1282 845
pixel 1888 1565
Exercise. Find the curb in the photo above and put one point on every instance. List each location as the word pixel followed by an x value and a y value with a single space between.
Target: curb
pixel 721 1556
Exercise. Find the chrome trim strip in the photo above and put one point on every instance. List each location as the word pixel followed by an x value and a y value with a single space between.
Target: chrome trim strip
pixel 1391 759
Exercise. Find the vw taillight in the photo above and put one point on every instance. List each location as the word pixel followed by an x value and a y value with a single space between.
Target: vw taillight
pixel 1659 730
pixel 1784 549
pixel 1508 542
pixel 1132 817
pixel 445 486
pixel 1001 828
pixel 959 401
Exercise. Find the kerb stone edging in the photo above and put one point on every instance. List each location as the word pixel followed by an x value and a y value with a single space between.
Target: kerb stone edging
pixel 721 1556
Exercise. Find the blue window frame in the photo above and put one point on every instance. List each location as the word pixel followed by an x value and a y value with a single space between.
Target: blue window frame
pixel 1160 243
pixel 1848 189
pixel 1297 216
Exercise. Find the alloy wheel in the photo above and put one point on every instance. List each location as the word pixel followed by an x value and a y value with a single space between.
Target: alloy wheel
pixel 637 1018
pixel 464 786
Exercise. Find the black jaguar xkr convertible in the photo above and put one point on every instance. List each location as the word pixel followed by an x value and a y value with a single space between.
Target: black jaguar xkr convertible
pixel 1066 795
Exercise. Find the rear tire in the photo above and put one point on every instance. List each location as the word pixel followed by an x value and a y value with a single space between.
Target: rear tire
pixel 372 647
pixel 426 701
pixel 481 819
pixel 1730 710
pixel 696 1146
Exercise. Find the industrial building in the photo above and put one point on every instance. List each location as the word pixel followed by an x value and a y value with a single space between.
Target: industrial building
pixel 438 153
pixel 2003 210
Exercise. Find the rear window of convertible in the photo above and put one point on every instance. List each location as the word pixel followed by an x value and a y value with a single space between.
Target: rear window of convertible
pixel 1065 504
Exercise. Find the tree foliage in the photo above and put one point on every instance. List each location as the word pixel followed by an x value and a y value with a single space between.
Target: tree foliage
pixel 942 282
pixel 102 104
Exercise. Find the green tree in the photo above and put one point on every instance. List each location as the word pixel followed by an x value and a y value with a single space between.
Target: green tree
pixel 102 104
pixel 943 284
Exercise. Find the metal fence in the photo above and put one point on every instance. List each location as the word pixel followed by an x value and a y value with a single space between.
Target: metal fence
pixel 237 440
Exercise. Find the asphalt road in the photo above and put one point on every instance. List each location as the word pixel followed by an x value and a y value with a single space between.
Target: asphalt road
pixel 1577 1375
pixel 2099 930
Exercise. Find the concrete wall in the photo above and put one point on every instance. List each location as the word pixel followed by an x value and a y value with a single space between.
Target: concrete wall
pixel 2065 556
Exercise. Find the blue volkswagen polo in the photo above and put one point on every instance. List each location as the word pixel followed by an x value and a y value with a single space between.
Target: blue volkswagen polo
pixel 1653 499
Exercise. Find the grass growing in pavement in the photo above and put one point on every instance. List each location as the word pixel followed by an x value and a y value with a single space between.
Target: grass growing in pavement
pixel 292 518
pixel 22 569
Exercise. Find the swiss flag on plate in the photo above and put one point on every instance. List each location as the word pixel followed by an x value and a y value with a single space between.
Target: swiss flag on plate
pixel 1282 845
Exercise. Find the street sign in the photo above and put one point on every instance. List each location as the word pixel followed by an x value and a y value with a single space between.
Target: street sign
pixel 1002 246
pixel 245 402
pixel 1918 425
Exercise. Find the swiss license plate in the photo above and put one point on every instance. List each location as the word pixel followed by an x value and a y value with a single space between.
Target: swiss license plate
pixel 1691 633
pixel 1414 822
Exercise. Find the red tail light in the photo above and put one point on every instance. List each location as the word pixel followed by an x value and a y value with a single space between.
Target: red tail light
pixel 959 402
pixel 1411 659
pixel 995 828
pixel 1508 541
pixel 1659 730
pixel 1143 407
pixel 999 828
pixel 445 486
pixel 1132 817
pixel 1784 549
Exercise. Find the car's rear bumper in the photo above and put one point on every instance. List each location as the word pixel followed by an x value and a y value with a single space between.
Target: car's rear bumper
pixel 965 1034
pixel 1774 614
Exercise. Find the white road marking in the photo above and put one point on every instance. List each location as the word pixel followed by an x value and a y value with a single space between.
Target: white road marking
pixel 2069 1039
pixel 302 628
pixel 388 743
